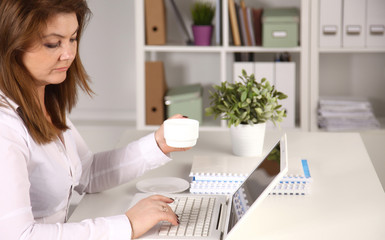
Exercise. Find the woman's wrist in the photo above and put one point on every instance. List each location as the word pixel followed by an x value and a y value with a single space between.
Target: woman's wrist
pixel 160 141
pixel 132 229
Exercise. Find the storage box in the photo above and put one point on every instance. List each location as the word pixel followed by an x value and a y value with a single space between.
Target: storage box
pixel 280 27
pixel 186 100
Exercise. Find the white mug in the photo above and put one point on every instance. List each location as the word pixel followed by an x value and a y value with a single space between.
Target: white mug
pixel 181 132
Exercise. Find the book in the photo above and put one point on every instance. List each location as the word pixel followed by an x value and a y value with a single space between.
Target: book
pixel 218 22
pixel 245 23
pixel 251 25
pixel 234 23
pixel 242 28
pixel 257 24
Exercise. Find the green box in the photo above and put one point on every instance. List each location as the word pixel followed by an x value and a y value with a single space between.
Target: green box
pixel 186 100
pixel 280 27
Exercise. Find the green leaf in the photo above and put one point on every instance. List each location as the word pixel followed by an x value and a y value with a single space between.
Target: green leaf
pixel 259 110
pixel 243 96
pixel 243 115
pixel 222 108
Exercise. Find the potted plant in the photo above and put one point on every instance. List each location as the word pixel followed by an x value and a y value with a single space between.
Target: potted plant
pixel 247 105
pixel 202 15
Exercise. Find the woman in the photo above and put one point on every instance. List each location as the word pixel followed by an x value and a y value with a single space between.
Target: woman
pixel 42 156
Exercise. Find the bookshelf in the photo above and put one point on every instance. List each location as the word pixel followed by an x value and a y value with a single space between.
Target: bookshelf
pixel 339 71
pixel 212 64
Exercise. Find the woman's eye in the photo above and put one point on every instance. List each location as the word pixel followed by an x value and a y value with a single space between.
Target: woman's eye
pixel 52 45
pixel 73 40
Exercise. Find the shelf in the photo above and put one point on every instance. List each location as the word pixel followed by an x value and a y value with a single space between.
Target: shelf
pixel 218 49
pixel 263 49
pixel 352 50
pixel 175 48
pixel 209 65
pixel 344 71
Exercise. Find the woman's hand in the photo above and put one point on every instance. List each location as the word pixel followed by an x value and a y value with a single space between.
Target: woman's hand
pixel 159 138
pixel 148 212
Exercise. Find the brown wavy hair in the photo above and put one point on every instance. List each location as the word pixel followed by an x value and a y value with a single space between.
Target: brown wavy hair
pixel 21 25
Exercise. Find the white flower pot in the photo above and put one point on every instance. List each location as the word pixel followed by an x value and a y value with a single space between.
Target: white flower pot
pixel 247 140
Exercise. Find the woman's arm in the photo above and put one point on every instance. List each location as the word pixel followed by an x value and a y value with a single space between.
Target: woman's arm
pixel 16 217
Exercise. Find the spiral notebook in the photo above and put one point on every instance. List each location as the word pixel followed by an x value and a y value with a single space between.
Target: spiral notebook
pixel 223 175
pixel 228 168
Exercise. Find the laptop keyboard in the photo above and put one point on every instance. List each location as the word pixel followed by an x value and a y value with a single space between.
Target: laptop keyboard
pixel 194 213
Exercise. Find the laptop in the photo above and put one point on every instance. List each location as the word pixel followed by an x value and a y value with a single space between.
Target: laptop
pixel 217 216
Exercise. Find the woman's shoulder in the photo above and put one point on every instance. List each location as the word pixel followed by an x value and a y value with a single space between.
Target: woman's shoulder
pixel 7 112
pixel 10 120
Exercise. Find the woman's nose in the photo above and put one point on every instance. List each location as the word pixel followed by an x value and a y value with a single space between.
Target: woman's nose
pixel 68 53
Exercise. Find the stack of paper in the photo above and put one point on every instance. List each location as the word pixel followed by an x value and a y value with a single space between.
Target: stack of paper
pixel 346 114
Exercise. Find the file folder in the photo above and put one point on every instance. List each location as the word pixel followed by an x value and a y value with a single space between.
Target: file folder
pixel 330 23
pixel 155 22
pixel 285 82
pixel 375 24
pixel 239 66
pixel 155 91
pixel 354 27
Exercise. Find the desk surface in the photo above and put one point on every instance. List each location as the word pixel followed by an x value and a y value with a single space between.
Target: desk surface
pixel 346 201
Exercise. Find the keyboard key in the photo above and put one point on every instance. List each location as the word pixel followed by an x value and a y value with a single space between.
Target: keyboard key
pixel 195 216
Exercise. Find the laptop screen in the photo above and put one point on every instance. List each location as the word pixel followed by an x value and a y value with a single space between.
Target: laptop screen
pixel 254 185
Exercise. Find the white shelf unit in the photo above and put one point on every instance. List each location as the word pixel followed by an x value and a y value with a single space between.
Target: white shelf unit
pixel 213 64
pixel 353 72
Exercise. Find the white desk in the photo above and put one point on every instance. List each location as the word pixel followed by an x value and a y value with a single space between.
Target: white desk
pixel 346 201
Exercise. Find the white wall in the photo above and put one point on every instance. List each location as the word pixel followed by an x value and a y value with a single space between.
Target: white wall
pixel 108 54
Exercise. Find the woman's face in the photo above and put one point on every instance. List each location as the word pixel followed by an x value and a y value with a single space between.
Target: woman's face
pixel 49 59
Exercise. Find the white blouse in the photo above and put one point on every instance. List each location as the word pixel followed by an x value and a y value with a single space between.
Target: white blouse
pixel 36 181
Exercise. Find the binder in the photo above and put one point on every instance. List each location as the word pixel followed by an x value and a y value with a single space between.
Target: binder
pixel 330 23
pixel 234 23
pixel 354 26
pixel 237 70
pixel 285 82
pixel 155 22
pixel 375 24
pixel 264 70
pixel 155 91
